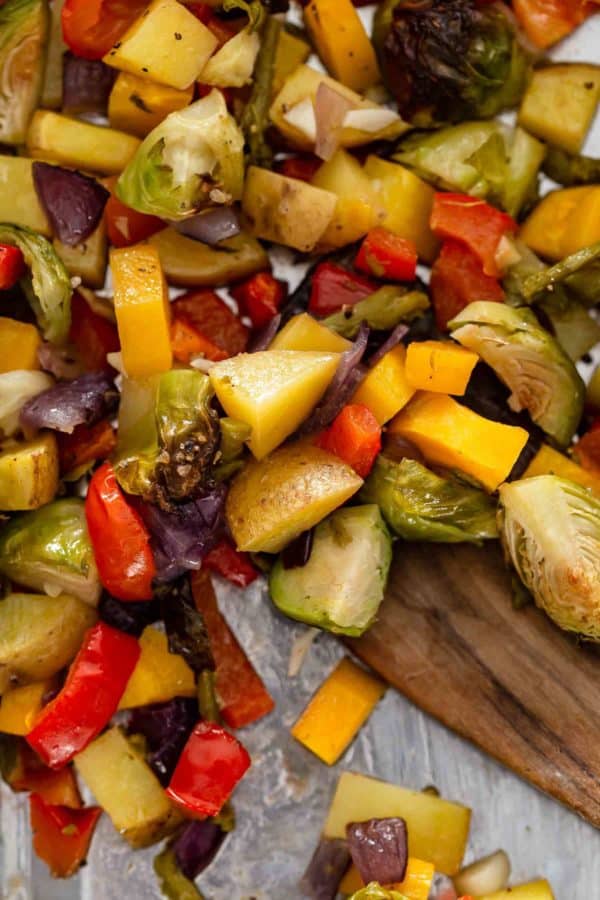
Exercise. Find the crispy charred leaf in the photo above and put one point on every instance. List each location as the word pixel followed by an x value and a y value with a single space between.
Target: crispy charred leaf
pixel 255 118
pixel 128 616
pixel 165 728
pixel 379 849
pixel 63 407
pixel 382 311
pixel 570 169
pixel 326 869
pixel 24 26
pixel 172 881
pixel 186 631
pixel 74 203
pixel 419 504
pixel 449 60
pixel 196 845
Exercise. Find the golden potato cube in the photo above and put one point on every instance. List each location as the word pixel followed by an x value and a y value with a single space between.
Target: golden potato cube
pixel 19 202
pixel 28 473
pixel 87 260
pixel 358 208
pixel 191 264
pixel 302 332
pixel 342 42
pixel 292 51
pixel 564 222
pixel 137 106
pixel 560 103
pixel 77 144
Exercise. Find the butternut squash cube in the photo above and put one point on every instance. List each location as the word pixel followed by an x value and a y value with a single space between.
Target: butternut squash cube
pixel 20 706
pixel 549 461
pixel 560 103
pixel 342 42
pixel 386 390
pixel 158 675
pixel 533 890
pixel 439 366
pixel 304 333
pixel 79 145
pixel 137 106
pixel 272 391
pixel 19 344
pixel 358 208
pixel 453 436
pixel 563 222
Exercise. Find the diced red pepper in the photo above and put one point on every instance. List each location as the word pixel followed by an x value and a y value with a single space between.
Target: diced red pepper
pixel 223 31
pixel 95 684
pixel 12 266
pixel 86 444
pixel 233 565
pixel 387 255
pixel 242 695
pixel 587 449
pixel 93 335
pixel 354 436
pixel 260 297
pixel 126 226
pixel 206 311
pixel 120 539
pixel 473 222
pixel 187 341
pixel 547 21
pixel 61 836
pixel 210 766
pixel 304 168
pixel 55 787
pixel 457 279
pixel 91 27
pixel 334 287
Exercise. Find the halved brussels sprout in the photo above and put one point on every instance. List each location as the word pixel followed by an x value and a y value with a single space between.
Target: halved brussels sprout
pixel 49 549
pixel 550 529
pixel 382 310
pixel 422 506
pixel 529 361
pixel 192 160
pixel 23 32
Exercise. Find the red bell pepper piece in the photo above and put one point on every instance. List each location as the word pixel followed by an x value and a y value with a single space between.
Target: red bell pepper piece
pixel 61 836
pixel 547 21
pixel 303 168
pixel 126 226
pixel 86 444
pixel 334 287
pixel 260 297
pixel 187 341
pixel 206 311
pixel 233 565
pixel 55 787
pixel 120 539
pixel 473 222
pixel 242 695
pixel 96 681
pixel 223 31
pixel 386 255
pixel 457 279
pixel 93 335
pixel 12 266
pixel 587 449
pixel 354 436
pixel 91 27
pixel 210 766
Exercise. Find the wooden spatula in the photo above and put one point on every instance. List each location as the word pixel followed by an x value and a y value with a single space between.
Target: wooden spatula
pixel 509 680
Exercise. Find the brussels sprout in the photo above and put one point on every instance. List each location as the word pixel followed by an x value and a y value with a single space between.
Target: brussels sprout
pixel 24 28
pixel 382 310
pixel 48 288
pixel 422 506
pixel 16 388
pixel 449 60
pixel 192 160
pixel 49 549
pixel 550 530
pixel 578 274
pixel 570 169
pixel 137 446
pixel 375 891
pixel 529 361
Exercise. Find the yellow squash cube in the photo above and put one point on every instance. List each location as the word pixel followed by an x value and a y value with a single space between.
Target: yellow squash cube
pixel 167 44
pixel 137 106
pixel 563 222
pixel 560 103
pixel 158 675
pixel 358 208
pixel 437 829
pixel 20 707
pixel 292 51
pixel 549 461
pixel 338 711
pixel 416 885
pixel 439 366
pixel 79 145
pixel 342 42
pixel 19 202
pixel 385 389
pixel 304 333
pixel 272 391
pixel 450 435
pixel 19 345
pixel 141 301
pixel 533 890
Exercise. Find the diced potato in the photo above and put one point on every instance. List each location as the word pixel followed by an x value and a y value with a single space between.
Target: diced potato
pixel 29 474
pixel 533 890
pixel 272 391
pixel 563 222
pixel 19 202
pixel 342 42
pixel 158 675
pixel 272 501
pixel 167 44
pixel 40 635
pixel 80 145
pixel 407 201
pixel 302 332
pixel 137 106
pixel 127 789
pixel 560 103
pixel 286 210
pixel 385 389
pixel 292 51
pixel 455 437
pixel 232 65
pixel 358 207
pixel 191 264
pixel 87 260
pixel 19 345
pixel 437 829
pixel 549 461
pixel 20 706
pixel 439 366
pixel 53 76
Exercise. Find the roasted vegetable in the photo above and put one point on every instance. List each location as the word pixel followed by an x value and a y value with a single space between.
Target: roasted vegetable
pixel 137 448
pixel 19 345
pixel 439 366
pixel 542 378
pixel 71 142
pixel 559 565
pixel 449 60
pixel 233 63
pixel 302 332
pixel 358 207
pixel 379 849
pixel 326 868
pixel 382 311
pixel 342 43
pixel 570 169
pixel 375 891
pixel 192 264
pixel 255 118
pixel 16 388
pixel 28 474
pixel 159 675
pixel 19 202
pixel 53 71
pixel 24 28
pixel 533 890
pixel 577 274
pixel 83 401
pixel 137 105
pixel 420 505
pixel 191 160
pixel 574 328
pixel 87 260
pixel 173 883
pixel 49 548
pixel 341 586
pixel 385 389
pixel 560 103
pixel 564 222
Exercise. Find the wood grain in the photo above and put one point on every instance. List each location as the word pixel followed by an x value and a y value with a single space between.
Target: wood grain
pixel 510 681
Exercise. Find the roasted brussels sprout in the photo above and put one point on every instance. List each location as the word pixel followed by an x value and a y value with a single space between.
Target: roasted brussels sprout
pixel 382 311
pixel 449 60
pixel 191 161
pixel 23 32
pixel 422 506
pixel 542 378
pixel 550 530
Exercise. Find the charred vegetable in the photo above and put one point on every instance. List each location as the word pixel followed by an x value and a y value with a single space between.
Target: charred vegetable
pixel 255 119
pixel 375 891
pixel 24 28
pixel 449 60
pixel 28 473
pixel 379 849
pixel 382 311
pixel 570 169
pixel 68 404
pixel 16 389
pixel 559 565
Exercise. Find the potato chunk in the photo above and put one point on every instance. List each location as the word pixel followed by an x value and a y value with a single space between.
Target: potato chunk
pixel 560 103
pixel 28 474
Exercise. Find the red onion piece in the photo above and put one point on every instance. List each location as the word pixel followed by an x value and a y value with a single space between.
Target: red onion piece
pixel 87 84
pixel 83 401
pixel 330 110
pixel 379 849
pixel 297 554
pixel 325 870
pixel 392 341
pixel 211 227
pixel 73 202
pixel 59 362
pixel 262 339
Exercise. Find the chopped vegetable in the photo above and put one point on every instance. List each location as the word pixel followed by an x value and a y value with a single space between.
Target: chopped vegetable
pixel 385 389
pixel 333 288
pixel 73 202
pixel 418 884
pixel 20 706
pixel 354 436
pixel 159 675
pixel 358 207
pixel 260 297
pixel 19 202
pixel 484 876
pixel 73 143
pixel 214 320
pixel 325 869
pixel 382 310
pixel 302 332
pixel 439 366
pixel 90 27
pixel 457 278
pixel 267 71
pixel 93 335
pixel 533 890
pixel 379 849
pixel 548 461
pixel 53 71
pixel 166 727
pixel 28 474
pixel 173 883
pixel 184 626
pixel 474 223
pixel 236 567
pixel 16 387
pixel 546 23
pixel 87 260
pixel 137 105
pixel 560 103
pixel 126 226
pixel 187 343
pixel 571 169
pixel 342 43
pixel 564 222
pixel 384 254
pixel 191 264
pixel 127 616
pixel 86 84
pixel 233 63
pixel 61 836
pixel 24 26
pixel 12 267
pixel 83 401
